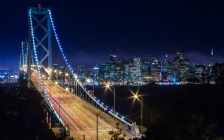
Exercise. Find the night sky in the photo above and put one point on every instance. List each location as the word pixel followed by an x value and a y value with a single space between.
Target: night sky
pixel 91 30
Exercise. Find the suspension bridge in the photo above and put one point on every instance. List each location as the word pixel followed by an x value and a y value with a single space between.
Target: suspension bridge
pixel 83 114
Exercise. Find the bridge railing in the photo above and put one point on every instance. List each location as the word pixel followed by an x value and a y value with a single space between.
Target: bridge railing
pixel 102 106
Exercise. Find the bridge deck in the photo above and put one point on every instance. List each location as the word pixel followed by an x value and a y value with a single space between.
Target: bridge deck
pixel 78 114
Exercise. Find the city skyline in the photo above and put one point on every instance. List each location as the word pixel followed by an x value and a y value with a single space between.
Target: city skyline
pixel 93 30
pixel 75 56
pixel 121 71
pixel 191 56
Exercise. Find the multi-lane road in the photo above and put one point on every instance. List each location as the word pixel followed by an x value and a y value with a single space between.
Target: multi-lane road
pixel 79 115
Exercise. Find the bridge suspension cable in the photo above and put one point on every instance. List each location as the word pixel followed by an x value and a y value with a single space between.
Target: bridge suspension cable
pixel 74 75
pixel 45 94
pixel 105 108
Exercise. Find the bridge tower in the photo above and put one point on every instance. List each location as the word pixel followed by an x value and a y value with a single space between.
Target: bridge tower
pixel 23 57
pixel 40 37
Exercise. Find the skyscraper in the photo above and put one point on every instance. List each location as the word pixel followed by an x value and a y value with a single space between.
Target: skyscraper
pixel 96 75
pixel 126 72
pixel 145 67
pixel 212 61
pixel 180 67
pixel 166 69
pixel 135 70
pixel 155 68
pixel 112 65
pixel 112 59
pixel 211 68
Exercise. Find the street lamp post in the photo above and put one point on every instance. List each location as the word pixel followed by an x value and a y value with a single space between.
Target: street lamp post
pixel 97 124
pixel 60 77
pixel 56 76
pixel 88 81
pixel 59 104
pixel 108 86
pixel 93 88
pixel 141 101
pixel 67 75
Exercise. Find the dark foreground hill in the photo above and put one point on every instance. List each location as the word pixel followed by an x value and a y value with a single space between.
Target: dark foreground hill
pixel 21 115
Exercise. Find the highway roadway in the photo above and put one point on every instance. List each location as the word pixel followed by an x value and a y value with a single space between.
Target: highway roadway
pixel 79 115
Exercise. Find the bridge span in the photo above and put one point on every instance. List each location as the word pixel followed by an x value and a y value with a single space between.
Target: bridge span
pixel 72 109
pixel 79 115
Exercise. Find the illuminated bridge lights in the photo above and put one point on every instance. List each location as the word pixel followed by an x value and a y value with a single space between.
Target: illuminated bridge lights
pixel 46 96
pixel 67 64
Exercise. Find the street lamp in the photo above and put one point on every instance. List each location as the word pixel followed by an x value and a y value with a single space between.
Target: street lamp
pixel 60 77
pixel 97 124
pixel 67 75
pixel 136 96
pixel 88 82
pixel 93 88
pixel 108 86
pixel 59 105
pixel 56 76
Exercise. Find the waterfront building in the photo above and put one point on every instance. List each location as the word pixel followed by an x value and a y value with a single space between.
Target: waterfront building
pixel 180 67
pixel 112 65
pixel 218 69
pixel 212 61
pixel 145 67
pixel 104 72
pixel 166 69
pixel 199 74
pixel 135 75
pixel 121 62
pixel 96 74
pixel 113 59
pixel 118 74
pixel 211 68
pixel 81 72
pixel 155 68
pixel 126 72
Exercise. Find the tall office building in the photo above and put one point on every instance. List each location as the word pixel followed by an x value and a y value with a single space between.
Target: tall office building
pixel 126 72
pixel 121 62
pixel 155 68
pixel 118 74
pixel 105 72
pixel 96 75
pixel 112 59
pixel 88 73
pixel 199 76
pixel 180 67
pixel 145 67
pixel 185 69
pixel 135 70
pixel 212 61
pixel 81 72
pixel 112 65
pixel 211 68
pixel 166 69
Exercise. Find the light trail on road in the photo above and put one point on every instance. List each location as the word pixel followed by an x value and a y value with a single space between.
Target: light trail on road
pixel 79 115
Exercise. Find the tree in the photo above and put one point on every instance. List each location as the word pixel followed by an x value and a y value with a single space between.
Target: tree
pixel 117 134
